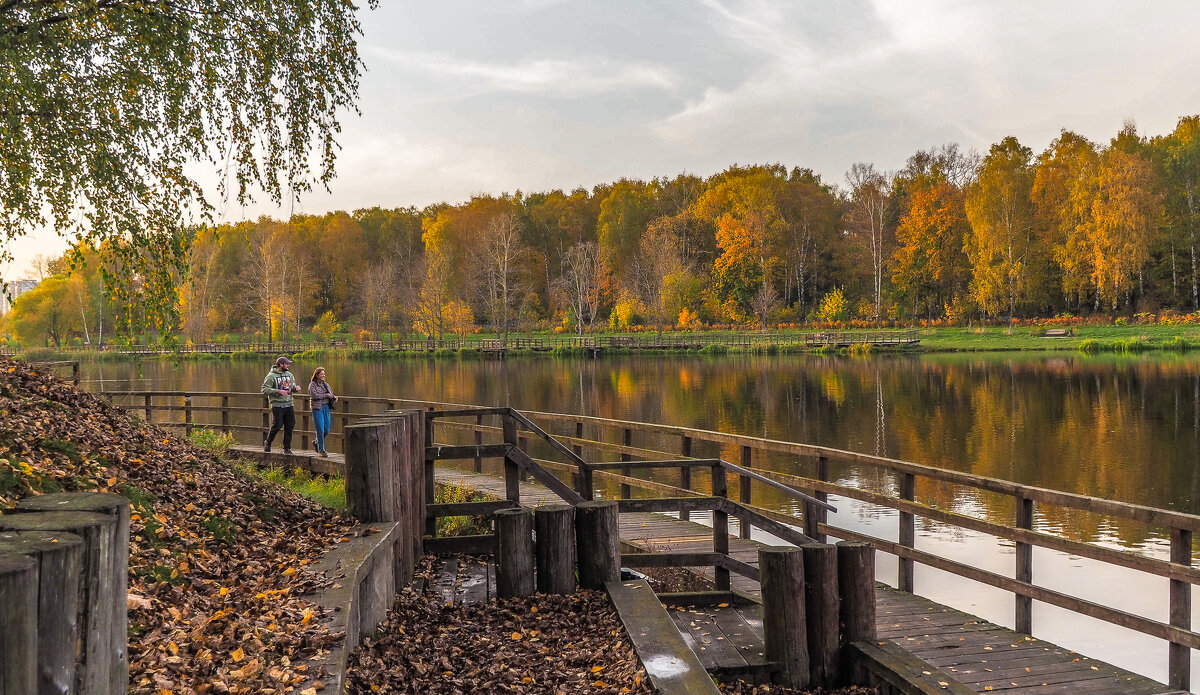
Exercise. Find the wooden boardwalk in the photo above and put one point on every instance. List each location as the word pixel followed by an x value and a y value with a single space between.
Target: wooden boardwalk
pixel 981 655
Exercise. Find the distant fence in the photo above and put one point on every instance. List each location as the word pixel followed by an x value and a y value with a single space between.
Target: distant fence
pixel 894 487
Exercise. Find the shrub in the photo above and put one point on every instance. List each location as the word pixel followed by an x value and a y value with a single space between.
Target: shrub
pixel 211 440
pixel 833 307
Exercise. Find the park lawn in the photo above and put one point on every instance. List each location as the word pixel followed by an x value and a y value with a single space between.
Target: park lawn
pixel 1094 338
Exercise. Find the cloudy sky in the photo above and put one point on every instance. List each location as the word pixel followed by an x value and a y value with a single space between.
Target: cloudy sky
pixel 474 97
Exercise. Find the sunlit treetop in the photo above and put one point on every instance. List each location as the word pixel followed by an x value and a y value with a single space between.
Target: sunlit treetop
pixel 108 108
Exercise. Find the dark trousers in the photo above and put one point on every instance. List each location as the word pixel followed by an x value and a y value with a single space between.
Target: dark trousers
pixel 282 418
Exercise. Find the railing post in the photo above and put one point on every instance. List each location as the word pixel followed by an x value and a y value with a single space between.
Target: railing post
pixel 478 442
pixel 720 488
pixel 304 431
pixel 1024 569
pixel 1179 658
pixel 523 445
pixel 149 417
pixel 512 478
pixel 685 472
pixel 908 532
pixel 744 490
pixel 578 448
pixel 187 416
pixel 626 440
pixel 225 414
pixel 430 476
pixel 266 419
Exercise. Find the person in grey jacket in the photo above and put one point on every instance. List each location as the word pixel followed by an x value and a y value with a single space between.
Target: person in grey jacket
pixel 278 387
pixel 320 400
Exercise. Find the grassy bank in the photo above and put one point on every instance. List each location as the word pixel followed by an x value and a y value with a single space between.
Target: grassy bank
pixel 1083 338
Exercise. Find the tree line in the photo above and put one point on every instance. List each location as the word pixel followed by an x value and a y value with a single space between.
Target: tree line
pixel 957 235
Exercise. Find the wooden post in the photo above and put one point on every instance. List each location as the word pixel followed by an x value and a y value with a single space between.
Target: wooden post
pixel 856 589
pixel 225 414
pixel 523 445
pixel 554 527
pixel 117 507
pixel 430 477
pixel 720 488
pixel 396 437
pixel 59 558
pixel 908 533
pixel 598 543
pixel 420 478
pixel 578 448
pixel 478 442
pixel 266 420
pixel 1024 568
pixel 784 633
pixel 512 479
pixel 369 473
pixel 626 440
pixel 148 410
pixel 685 473
pixel 821 513
pixel 18 615
pixel 1179 656
pixel 514 553
pixel 187 415
pixel 744 490
pixel 102 665
pixel 821 607
pixel 304 431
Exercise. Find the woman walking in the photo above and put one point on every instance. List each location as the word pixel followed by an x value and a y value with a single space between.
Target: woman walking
pixel 320 399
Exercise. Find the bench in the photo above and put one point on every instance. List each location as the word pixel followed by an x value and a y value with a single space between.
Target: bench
pixel 1058 332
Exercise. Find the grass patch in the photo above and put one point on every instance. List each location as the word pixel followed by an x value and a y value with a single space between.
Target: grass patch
pixel 211 440
pixel 328 492
pixel 458 493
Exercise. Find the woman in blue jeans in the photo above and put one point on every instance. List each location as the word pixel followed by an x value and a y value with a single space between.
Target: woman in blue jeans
pixel 320 400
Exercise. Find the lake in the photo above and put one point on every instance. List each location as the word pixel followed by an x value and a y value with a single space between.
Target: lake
pixel 1119 427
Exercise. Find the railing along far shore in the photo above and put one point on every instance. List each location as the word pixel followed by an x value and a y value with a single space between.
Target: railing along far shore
pixel 635 456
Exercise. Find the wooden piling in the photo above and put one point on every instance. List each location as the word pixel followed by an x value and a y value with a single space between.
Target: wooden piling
pixel 821 603
pixel 597 543
pixel 784 633
pixel 514 553
pixel 369 476
pixel 856 588
pixel 554 526
pixel 101 667
pixel 18 615
pixel 60 563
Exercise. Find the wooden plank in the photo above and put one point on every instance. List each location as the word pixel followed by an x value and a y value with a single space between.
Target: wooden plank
pixel 443 583
pixel 672 666
pixel 712 646
pixel 466 451
pixel 469 545
pixel 467 508
pixel 904 672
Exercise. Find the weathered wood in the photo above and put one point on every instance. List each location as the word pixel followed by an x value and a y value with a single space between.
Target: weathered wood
pixel 18 625
pixel 744 490
pixel 893 670
pixel 1179 657
pixel 720 488
pixel 514 553
pixel 856 591
pixel 685 472
pixel 908 533
pixel 670 504
pixel 404 496
pixel 99 669
pixel 672 559
pixel 59 557
pixel 369 473
pixel 598 543
pixel 545 477
pixel 468 508
pixel 467 545
pixel 821 601
pixel 117 507
pixel 784 615
pixel 512 470
pixel 467 451
pixel 672 666
pixel 416 469
pixel 554 526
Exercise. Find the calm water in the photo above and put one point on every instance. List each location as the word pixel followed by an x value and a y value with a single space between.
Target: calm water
pixel 1123 428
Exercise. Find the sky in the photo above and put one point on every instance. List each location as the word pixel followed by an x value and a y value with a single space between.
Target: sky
pixel 464 97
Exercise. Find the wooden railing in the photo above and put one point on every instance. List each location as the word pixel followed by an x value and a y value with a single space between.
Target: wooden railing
pixel 665 447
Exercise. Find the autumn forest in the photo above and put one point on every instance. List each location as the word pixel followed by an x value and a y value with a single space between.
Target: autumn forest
pixel 1080 228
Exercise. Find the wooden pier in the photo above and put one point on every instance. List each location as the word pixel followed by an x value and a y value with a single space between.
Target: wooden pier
pixel 653 470
pixel 727 637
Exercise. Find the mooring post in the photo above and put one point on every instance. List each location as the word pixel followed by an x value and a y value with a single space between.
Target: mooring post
pixel 514 553
pixel 369 473
pixel 785 634
pixel 821 607
pixel 554 528
pixel 59 557
pixel 18 615
pixel 856 589
pixel 598 543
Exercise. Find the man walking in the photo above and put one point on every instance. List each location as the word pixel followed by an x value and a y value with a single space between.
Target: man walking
pixel 279 386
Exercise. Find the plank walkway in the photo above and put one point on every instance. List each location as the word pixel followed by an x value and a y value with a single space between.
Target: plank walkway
pixel 981 655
